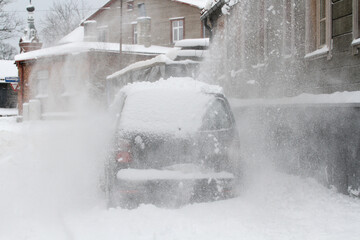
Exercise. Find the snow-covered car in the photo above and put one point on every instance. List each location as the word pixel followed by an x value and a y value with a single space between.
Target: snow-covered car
pixel 173 143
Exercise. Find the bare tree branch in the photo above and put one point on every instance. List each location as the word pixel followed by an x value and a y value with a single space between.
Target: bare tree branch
pixel 63 18
pixel 9 22
pixel 7 52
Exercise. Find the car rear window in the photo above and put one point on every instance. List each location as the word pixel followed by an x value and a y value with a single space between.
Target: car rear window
pixel 164 111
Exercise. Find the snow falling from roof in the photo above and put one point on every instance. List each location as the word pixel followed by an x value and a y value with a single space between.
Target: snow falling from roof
pixel 80 47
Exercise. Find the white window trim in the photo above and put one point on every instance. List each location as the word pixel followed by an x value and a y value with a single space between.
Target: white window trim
pixel 356 34
pixel 134 27
pixel 262 59
pixel 285 33
pixel 177 28
pixel 44 77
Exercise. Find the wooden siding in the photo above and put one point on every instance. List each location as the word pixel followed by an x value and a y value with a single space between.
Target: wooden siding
pixel 342 17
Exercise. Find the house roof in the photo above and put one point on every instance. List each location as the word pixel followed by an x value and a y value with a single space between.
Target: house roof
pixel 75 36
pixel 98 11
pixel 7 69
pixel 81 47
pixel 195 3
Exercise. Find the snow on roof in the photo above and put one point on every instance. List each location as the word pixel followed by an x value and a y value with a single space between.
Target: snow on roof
pixel 173 106
pixel 196 3
pixel 158 59
pixel 8 69
pixel 305 98
pixel 75 36
pixel 163 58
pixel 197 42
pixel 80 47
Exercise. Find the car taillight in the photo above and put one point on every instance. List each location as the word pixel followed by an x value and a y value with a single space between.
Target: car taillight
pixel 123 155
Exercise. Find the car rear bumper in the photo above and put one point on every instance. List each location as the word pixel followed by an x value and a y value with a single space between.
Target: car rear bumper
pixel 172 193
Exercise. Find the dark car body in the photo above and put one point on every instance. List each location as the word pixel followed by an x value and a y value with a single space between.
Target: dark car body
pixel 205 151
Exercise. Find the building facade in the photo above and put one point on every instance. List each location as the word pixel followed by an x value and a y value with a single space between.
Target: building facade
pixel 282 48
pixel 151 22
pixel 58 76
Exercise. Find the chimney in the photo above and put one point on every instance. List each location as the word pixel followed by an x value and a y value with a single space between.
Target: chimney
pixel 30 41
pixel 90 33
pixel 143 26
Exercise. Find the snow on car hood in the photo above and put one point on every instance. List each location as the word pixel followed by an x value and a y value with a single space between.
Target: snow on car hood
pixel 173 106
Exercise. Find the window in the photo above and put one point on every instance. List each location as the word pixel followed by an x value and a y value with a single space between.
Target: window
pixel 177 30
pixel 103 34
pixel 42 81
pixel 130 5
pixel 288 23
pixel 318 28
pixel 321 23
pixel 135 34
pixel 262 31
pixel 356 19
pixel 217 117
pixel 142 10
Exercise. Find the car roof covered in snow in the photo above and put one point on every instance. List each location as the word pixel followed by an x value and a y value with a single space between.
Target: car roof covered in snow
pixel 175 106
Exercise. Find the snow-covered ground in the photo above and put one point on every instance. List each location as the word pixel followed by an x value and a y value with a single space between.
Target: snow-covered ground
pixel 8 111
pixel 49 189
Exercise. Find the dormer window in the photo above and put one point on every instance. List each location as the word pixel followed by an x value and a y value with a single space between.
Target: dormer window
pixel 130 5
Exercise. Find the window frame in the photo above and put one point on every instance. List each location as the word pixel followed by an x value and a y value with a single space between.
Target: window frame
pixel 42 84
pixel 313 48
pixel 182 19
pixel 262 33
pixel 288 46
pixel 356 26
pixel 103 34
pixel 135 36
pixel 130 5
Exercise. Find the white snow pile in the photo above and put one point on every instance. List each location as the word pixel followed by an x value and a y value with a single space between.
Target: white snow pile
pixel 175 105
pixel 305 98
pixel 8 111
pixel 48 190
pixel 194 42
